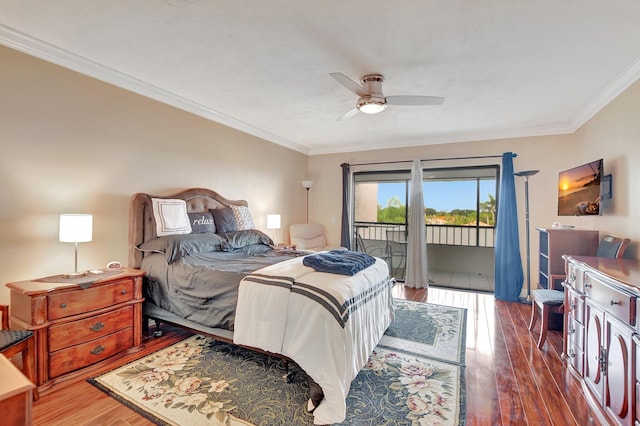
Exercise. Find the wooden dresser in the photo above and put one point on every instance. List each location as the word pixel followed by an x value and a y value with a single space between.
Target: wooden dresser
pixel 602 334
pixel 76 328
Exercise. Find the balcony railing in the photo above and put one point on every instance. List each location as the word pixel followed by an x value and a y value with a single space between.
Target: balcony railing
pixel 453 235
pixel 389 240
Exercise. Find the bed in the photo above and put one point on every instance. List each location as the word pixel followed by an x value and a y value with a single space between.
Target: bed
pixel 232 285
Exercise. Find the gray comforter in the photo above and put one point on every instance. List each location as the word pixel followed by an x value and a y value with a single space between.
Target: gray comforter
pixel 203 287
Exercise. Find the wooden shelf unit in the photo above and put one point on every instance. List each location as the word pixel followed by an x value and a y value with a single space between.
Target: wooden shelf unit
pixel 556 242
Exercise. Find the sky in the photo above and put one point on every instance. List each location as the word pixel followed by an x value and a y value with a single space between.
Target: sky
pixel 442 196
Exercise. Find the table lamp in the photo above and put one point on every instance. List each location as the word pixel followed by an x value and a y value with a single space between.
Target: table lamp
pixel 273 222
pixel 75 228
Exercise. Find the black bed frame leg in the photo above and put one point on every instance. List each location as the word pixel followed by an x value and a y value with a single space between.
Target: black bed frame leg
pixel 158 331
pixel 287 376
pixel 316 395
pixel 145 326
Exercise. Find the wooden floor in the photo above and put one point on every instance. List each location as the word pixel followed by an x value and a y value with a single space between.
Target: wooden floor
pixel 509 381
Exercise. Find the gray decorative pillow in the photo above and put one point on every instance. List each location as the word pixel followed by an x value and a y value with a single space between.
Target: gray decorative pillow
pixel 254 249
pixel 202 222
pixel 224 219
pixel 232 241
pixel 175 247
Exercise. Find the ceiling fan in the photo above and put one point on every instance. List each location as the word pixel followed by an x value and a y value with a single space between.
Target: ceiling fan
pixel 372 101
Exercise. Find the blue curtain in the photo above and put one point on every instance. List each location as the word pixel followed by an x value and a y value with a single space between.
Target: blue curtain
pixel 508 262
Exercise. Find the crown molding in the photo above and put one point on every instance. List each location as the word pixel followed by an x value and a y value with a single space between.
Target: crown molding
pixel 448 138
pixel 50 53
pixel 618 85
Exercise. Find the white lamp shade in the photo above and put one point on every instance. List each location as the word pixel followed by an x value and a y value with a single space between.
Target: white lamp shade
pixel 273 221
pixel 76 228
pixel 307 183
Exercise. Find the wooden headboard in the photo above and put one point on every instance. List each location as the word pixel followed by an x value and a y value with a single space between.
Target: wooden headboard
pixel 142 224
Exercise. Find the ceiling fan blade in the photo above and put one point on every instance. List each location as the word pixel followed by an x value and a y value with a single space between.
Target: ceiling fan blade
pixel 349 84
pixel 348 114
pixel 414 100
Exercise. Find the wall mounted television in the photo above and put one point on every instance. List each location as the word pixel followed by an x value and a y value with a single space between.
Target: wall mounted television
pixel 579 190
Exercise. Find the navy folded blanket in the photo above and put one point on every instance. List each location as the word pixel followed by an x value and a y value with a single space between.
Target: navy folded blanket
pixel 344 262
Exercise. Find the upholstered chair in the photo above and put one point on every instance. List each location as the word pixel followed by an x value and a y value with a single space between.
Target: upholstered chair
pixel 309 237
pixel 14 342
pixel 549 301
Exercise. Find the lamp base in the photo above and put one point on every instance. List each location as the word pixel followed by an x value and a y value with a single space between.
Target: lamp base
pixel 72 275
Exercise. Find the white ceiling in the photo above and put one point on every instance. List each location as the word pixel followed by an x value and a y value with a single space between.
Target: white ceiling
pixel 507 68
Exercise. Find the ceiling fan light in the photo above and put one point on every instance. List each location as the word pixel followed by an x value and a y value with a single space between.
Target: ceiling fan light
pixel 371 106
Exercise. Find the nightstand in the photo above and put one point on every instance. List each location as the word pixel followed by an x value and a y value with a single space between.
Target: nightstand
pixel 75 327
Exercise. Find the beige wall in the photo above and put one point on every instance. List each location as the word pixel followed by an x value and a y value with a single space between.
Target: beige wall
pixel 614 134
pixel 72 144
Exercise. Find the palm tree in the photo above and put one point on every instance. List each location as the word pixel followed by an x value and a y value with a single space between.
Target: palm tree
pixel 489 207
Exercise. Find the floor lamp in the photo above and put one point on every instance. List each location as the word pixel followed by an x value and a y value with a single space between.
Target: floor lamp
pixel 526 175
pixel 307 185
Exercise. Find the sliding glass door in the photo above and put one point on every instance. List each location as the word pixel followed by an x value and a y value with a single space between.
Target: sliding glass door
pixel 460 210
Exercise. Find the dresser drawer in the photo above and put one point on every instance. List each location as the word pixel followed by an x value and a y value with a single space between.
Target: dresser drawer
pixel 575 333
pixel 576 305
pixel 620 304
pixel 79 356
pixel 73 333
pixel 575 277
pixel 576 359
pixel 81 301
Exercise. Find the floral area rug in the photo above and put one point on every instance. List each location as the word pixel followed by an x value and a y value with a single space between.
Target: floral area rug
pixel 410 379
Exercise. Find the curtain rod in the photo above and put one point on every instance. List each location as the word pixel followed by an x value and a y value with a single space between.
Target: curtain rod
pixel 430 159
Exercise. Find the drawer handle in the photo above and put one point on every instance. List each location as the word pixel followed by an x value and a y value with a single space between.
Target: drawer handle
pixel 572 277
pixel 571 353
pixel 123 292
pixel 63 305
pixel 571 331
pixel 613 302
pixel 97 326
pixel 572 305
pixel 97 350
pixel 588 285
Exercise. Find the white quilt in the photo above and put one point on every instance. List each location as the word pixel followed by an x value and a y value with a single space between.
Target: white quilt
pixel 327 323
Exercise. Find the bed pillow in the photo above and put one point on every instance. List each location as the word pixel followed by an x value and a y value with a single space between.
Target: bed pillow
pixel 254 249
pixel 232 241
pixel 175 247
pixel 202 222
pixel 170 216
pixel 243 218
pixel 224 220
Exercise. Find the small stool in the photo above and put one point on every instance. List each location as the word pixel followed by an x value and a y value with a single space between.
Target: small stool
pixel 549 301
